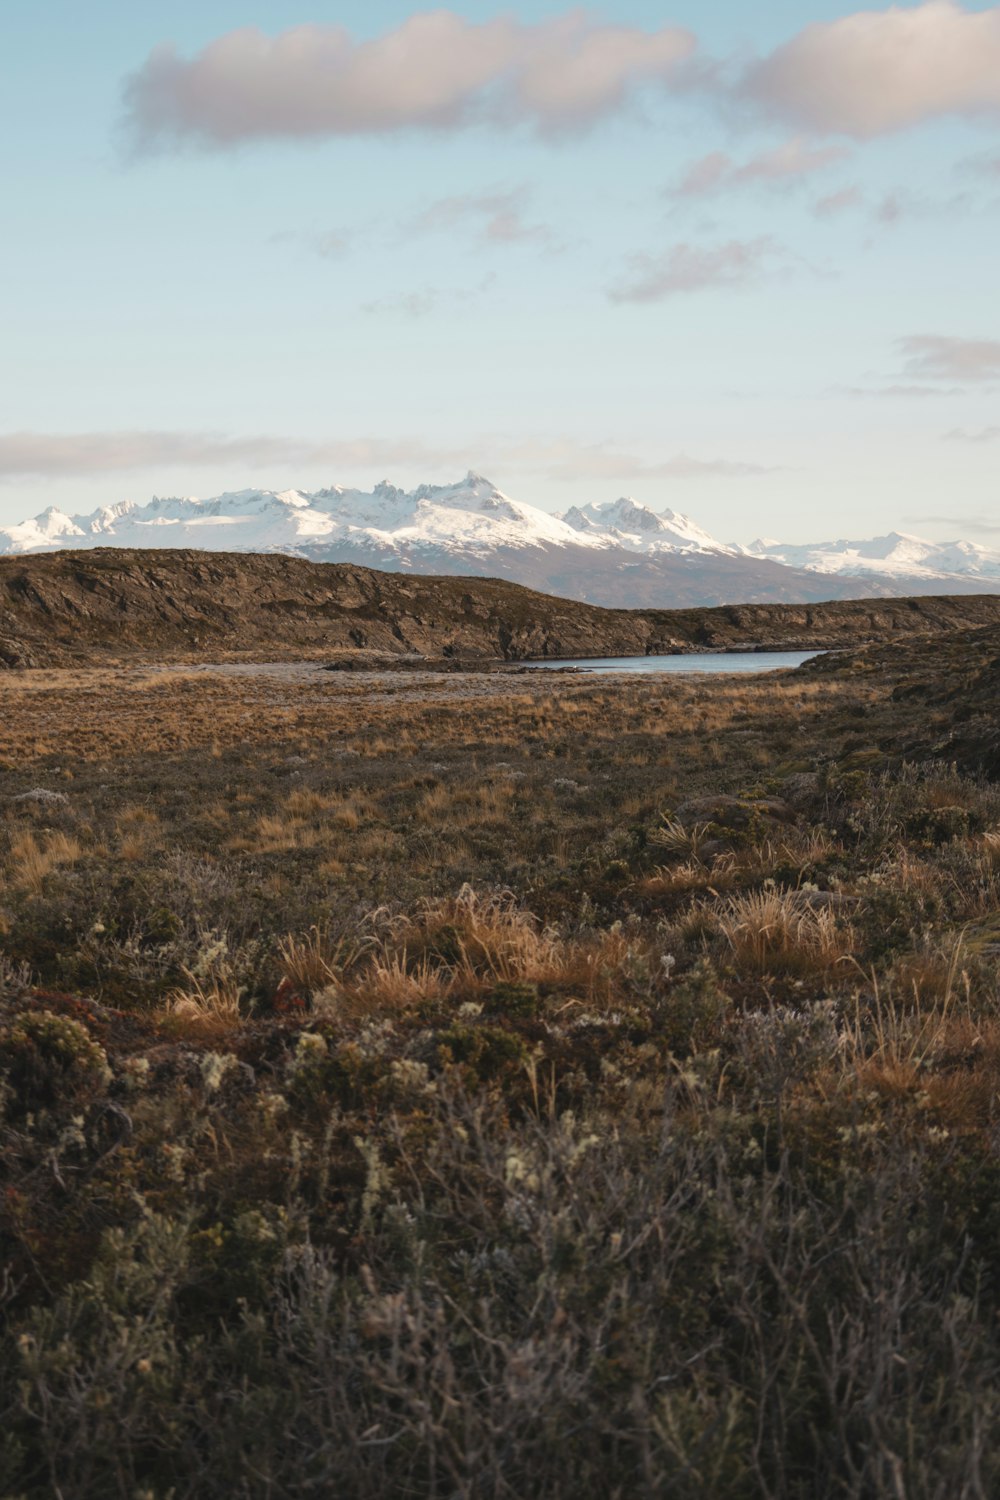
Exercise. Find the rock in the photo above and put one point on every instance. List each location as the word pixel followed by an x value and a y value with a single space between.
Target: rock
pixel 43 797
pixel 14 654
pixel 802 789
pixel 827 900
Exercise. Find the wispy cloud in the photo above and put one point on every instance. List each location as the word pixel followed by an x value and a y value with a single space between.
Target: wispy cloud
pixel 687 268
pixel 963 435
pixel 984 165
pixel 933 356
pixel 328 244
pixel 873 72
pixel 839 202
pixel 497 218
pixel 935 366
pixel 26 454
pixel 897 390
pixel 437 70
pixel 979 525
pixel 49 456
pixel 790 162
pixel 423 301
pixel 567 459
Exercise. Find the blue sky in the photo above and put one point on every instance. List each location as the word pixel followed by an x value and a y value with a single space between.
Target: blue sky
pixel 755 281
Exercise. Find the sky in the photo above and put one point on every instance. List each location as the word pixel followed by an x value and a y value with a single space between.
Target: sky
pixel 742 261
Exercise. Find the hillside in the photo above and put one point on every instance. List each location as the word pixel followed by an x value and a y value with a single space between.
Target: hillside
pixel 64 608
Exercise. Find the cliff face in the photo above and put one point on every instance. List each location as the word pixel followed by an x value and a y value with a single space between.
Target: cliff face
pixel 62 609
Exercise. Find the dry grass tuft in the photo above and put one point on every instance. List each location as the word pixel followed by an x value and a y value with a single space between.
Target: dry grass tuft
pixel 206 1002
pixel 316 962
pixel 30 861
pixel 774 932
pixel 678 841
pixel 482 937
pixel 392 983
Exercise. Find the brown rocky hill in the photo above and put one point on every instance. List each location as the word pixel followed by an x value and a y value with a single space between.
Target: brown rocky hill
pixel 60 609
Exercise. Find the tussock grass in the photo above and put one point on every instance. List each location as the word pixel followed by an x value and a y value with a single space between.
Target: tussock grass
pixel 32 859
pixel 207 1001
pixel 773 932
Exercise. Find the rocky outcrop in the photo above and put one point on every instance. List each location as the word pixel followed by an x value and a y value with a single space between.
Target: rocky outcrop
pixel 106 604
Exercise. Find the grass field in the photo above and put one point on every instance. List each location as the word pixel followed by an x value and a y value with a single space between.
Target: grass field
pixel 495 1086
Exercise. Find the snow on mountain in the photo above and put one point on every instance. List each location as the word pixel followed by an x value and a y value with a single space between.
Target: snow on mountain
pixel 616 552
pixel 896 555
pixel 634 525
pixel 51 529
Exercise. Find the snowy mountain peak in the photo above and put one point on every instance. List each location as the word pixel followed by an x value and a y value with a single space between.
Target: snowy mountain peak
pixel 617 551
pixel 625 514
pixel 634 524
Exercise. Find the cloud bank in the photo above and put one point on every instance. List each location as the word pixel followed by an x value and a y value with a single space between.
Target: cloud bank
pixel 860 75
pixel 436 71
pixel 34 455
pixel 874 72
pixel 47 455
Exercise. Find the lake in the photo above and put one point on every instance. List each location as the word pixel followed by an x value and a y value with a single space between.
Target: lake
pixel 708 661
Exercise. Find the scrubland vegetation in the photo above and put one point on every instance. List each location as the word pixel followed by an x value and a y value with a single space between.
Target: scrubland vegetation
pixel 495 1088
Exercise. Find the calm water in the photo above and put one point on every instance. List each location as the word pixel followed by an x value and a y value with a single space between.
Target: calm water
pixel 709 661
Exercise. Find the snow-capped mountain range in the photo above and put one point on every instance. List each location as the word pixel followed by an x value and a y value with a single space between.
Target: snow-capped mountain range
pixel 616 552
pixel 895 555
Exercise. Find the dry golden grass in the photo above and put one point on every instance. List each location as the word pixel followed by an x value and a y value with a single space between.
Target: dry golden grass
pixel 674 880
pixel 480 937
pixel 316 961
pixel 455 948
pixel 105 713
pixel 31 860
pixel 775 932
pixel 139 832
pixel 210 1002
pixel 393 982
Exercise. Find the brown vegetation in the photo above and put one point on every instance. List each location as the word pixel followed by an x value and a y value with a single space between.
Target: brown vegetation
pixel 470 1087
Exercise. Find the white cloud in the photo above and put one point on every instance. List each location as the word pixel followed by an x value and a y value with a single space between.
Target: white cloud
pixel 872 72
pixel 932 356
pixel 688 268
pixel 783 164
pixel 437 70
